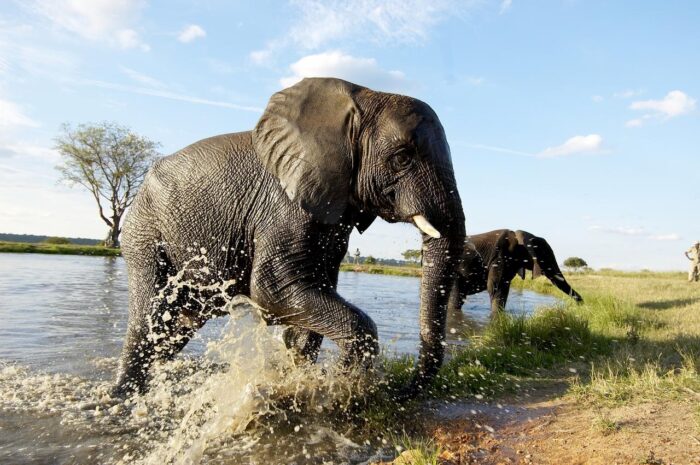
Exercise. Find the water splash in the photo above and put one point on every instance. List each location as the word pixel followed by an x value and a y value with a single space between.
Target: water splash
pixel 249 377
pixel 244 398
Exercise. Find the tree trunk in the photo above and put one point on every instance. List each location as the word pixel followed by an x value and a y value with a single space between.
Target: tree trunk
pixel 112 239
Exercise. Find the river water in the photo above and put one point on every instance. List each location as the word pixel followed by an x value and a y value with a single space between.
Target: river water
pixel 62 322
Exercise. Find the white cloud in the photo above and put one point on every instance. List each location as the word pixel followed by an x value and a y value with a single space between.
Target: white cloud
pixel 142 78
pixel 17 57
pixel 190 33
pixel 492 148
pixel 628 93
pixel 11 115
pixel 505 6
pixel 23 149
pixel 166 94
pixel 476 80
pixel 99 20
pixel 260 57
pixel 379 21
pixel 383 20
pixel 4 65
pixel 675 103
pixel 576 144
pixel 622 230
pixel 597 98
pixel 665 237
pixel 128 38
pixel 631 231
pixel 363 71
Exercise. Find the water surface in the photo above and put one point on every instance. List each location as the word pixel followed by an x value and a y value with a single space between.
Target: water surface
pixel 62 322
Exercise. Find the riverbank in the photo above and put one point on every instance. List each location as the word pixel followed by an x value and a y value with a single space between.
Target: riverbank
pixel 382 269
pixel 60 249
pixel 613 380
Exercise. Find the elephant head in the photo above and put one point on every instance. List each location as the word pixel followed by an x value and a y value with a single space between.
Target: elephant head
pixel 541 261
pixel 347 153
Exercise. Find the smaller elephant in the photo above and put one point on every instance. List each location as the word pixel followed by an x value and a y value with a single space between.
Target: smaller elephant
pixel 492 259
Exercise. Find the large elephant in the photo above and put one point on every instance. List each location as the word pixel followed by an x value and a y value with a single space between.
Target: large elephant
pixel 267 214
pixel 492 260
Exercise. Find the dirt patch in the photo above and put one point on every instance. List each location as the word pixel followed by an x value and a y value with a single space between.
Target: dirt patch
pixel 561 432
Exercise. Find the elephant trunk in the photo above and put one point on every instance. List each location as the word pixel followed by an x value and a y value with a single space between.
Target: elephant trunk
pixel 441 257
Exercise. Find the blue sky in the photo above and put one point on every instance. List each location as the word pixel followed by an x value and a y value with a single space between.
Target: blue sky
pixel 575 120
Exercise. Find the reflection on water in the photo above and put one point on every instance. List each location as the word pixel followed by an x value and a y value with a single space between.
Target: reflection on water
pixel 62 320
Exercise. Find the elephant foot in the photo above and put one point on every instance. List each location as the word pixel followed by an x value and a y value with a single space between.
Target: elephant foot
pixel 304 343
pixel 130 381
pixel 121 391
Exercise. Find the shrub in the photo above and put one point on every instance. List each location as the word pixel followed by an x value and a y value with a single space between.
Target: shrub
pixel 57 240
pixel 575 263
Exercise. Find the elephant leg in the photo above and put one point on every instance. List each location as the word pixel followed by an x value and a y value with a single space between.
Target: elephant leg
pixel 354 332
pixel 498 289
pixel 457 295
pixel 147 278
pixel 325 313
pixel 305 343
pixel 456 320
pixel 177 331
pixel 499 298
pixel 162 320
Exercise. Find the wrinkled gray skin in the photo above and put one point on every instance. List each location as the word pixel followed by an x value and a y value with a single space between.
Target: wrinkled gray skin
pixel 493 260
pixel 267 214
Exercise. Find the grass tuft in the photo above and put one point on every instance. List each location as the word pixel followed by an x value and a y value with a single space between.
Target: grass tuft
pixel 603 424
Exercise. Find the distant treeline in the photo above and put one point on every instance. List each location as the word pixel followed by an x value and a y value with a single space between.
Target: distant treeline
pixel 370 260
pixel 32 239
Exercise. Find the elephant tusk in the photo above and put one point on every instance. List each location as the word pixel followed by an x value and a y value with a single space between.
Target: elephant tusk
pixel 426 227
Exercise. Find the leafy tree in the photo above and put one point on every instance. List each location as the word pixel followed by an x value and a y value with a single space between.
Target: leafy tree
pixel 57 240
pixel 412 255
pixel 370 260
pixel 108 160
pixel 575 263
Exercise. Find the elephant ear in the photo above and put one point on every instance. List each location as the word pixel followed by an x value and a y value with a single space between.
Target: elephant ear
pixel 306 138
pixel 516 251
pixel 542 255
pixel 511 241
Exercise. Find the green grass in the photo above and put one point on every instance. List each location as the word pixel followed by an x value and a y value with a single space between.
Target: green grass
pixel 649 323
pixel 515 347
pixel 635 339
pixel 60 249
pixel 603 424
pixel 415 450
pixel 383 269
pixel 510 349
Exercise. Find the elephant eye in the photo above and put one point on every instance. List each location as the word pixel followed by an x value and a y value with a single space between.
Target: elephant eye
pixel 401 160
